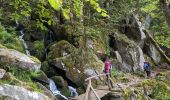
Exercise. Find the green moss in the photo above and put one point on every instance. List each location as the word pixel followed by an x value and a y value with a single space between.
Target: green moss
pixel 35 59
pixel 10 40
pixel 123 38
pixel 60 82
pixel 22 78
pixel 45 66
pixel 161 91
pixel 126 94
pixel 57 49
pixel 1 46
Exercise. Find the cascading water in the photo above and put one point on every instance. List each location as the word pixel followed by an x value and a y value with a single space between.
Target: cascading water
pixel 73 91
pixel 54 90
pixel 21 35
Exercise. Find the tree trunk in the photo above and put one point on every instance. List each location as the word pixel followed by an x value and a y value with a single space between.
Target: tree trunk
pixel 157 46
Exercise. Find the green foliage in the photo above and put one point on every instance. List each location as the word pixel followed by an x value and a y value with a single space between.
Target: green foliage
pixel 19 5
pixel 114 72
pixel 24 76
pixel 10 40
pixel 39 46
pixel 161 91
pixel 56 4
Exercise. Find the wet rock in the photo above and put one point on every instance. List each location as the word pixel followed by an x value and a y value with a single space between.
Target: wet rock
pixel 19 93
pixel 13 58
pixel 41 77
pixel 46 91
pixel 59 81
pixel 2 73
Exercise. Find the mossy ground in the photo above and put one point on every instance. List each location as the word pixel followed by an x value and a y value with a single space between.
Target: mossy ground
pixel 21 78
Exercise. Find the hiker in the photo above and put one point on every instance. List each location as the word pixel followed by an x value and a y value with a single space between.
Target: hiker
pixel 147 69
pixel 107 67
pixel 107 70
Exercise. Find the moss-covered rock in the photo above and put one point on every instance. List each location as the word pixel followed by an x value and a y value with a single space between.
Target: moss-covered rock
pixel 60 49
pixel 74 64
pixel 10 57
pixel 41 76
pixel 59 81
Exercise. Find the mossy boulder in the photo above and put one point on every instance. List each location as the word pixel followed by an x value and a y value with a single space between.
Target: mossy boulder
pixel 72 63
pixel 60 49
pixel 59 81
pixel 40 76
pixel 16 92
pixel 10 57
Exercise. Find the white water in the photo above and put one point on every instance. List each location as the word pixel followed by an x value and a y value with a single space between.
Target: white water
pixel 54 89
pixel 21 35
pixel 73 91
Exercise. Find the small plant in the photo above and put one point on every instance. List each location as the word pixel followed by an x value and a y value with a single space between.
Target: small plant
pixel 23 76
pixel 161 91
pixel 114 72
pixel 10 40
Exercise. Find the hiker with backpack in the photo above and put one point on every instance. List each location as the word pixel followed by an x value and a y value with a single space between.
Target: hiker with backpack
pixel 107 70
pixel 147 69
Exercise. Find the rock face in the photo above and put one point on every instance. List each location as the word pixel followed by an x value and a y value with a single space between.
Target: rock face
pixel 131 55
pixel 151 50
pixel 19 93
pixel 133 29
pixel 10 57
pixel 70 61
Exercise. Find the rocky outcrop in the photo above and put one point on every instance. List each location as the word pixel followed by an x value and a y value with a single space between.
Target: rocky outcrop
pixel 67 58
pixel 129 54
pixel 13 58
pixel 151 50
pixel 19 93
pixel 133 29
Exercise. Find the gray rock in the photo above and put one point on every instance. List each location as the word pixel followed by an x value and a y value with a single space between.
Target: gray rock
pixel 10 57
pixel 19 93
pixel 129 54
pixel 2 73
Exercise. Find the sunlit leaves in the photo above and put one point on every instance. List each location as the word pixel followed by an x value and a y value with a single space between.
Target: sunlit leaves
pixel 66 13
pixel 56 4
pixel 151 6
pixel 95 5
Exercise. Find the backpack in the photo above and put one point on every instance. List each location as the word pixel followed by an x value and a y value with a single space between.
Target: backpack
pixel 107 66
pixel 146 66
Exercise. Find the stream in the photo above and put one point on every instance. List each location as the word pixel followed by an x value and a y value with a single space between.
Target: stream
pixel 21 35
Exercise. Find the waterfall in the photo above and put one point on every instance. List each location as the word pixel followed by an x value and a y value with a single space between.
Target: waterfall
pixel 54 90
pixel 73 91
pixel 21 35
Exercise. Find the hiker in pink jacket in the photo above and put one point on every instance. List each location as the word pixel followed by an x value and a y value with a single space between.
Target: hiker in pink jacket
pixel 107 66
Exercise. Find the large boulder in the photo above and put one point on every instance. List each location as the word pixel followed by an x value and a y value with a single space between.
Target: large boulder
pixel 13 58
pixel 129 54
pixel 69 59
pixel 133 29
pixel 152 52
pixel 19 93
